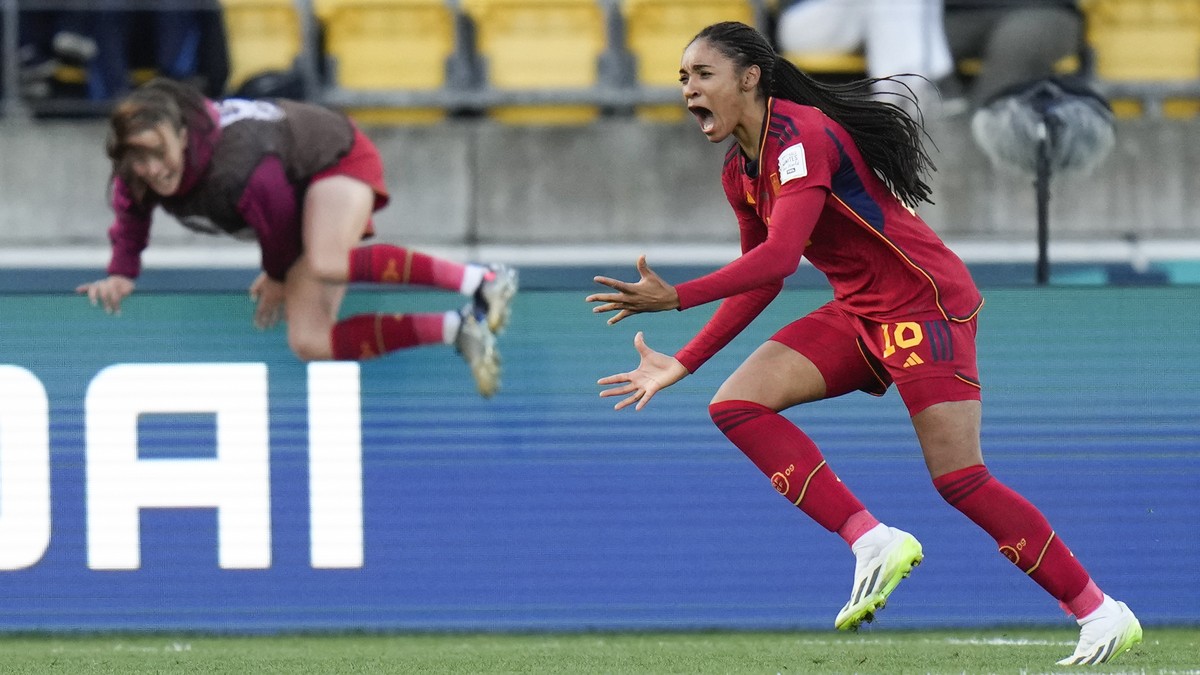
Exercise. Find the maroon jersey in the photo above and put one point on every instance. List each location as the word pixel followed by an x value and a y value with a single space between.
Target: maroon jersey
pixel 811 194
pixel 245 177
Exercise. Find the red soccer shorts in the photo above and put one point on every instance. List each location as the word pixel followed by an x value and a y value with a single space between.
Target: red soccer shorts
pixel 930 360
pixel 362 163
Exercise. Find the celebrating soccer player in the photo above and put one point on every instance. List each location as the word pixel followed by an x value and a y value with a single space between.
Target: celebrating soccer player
pixel 830 174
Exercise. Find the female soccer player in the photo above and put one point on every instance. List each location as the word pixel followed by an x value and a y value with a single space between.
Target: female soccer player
pixel 303 181
pixel 829 174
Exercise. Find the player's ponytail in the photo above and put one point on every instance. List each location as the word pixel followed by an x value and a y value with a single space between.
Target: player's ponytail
pixel 889 139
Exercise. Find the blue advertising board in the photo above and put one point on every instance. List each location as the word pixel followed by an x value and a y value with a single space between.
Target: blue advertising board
pixel 174 469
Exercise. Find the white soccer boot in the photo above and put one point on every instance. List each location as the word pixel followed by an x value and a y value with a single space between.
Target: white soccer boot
pixel 881 563
pixel 477 345
pixel 1105 633
pixel 493 298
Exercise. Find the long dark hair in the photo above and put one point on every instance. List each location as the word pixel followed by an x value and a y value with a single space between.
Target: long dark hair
pixel 889 139
pixel 155 102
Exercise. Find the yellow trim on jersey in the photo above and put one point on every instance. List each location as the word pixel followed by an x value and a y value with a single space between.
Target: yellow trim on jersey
pixel 977 385
pixel 762 133
pixel 937 299
pixel 870 366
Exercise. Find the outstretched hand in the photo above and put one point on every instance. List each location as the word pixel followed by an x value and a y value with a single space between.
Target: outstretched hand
pixel 108 292
pixel 649 294
pixel 655 371
pixel 268 294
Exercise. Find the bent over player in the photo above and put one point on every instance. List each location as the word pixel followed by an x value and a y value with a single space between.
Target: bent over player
pixel 829 174
pixel 303 181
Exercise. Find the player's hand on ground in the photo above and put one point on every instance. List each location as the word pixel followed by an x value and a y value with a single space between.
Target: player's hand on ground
pixel 108 292
pixel 268 293
pixel 649 294
pixel 655 371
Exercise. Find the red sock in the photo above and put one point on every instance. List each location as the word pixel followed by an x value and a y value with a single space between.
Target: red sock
pixel 367 336
pixel 793 462
pixel 1022 532
pixel 385 263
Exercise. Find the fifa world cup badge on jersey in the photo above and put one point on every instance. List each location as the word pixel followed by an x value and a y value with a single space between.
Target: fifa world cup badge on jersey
pixel 792 164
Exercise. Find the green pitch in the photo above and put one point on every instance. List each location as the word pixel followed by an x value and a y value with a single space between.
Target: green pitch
pixel 1019 650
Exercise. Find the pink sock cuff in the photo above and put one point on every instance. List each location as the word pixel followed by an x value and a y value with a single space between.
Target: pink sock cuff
pixel 1086 602
pixel 856 526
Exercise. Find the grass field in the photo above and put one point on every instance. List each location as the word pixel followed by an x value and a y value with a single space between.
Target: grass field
pixel 1020 650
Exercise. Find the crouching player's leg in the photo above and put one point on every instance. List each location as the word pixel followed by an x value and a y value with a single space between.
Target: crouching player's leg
pixel 336 214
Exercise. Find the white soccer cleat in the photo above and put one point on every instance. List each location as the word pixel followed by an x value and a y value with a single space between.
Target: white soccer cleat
pixel 477 345
pixel 877 571
pixel 494 297
pixel 1107 632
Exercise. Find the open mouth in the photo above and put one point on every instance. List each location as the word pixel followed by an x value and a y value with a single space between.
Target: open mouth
pixel 704 117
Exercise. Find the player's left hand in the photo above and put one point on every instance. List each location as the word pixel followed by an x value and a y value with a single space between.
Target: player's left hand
pixel 648 294
pixel 656 371
pixel 268 293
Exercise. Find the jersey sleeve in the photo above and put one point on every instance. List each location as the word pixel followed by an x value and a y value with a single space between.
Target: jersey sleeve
pixel 129 233
pixel 269 205
pixel 730 319
pixel 768 261
pixel 771 250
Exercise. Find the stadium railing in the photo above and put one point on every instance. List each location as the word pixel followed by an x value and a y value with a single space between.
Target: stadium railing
pixel 473 56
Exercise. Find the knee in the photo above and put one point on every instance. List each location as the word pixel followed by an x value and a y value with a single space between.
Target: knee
pixel 329 267
pixel 728 414
pixel 956 486
pixel 309 346
pixel 718 406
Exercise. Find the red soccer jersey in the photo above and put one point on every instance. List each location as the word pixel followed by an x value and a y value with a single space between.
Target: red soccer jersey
pixel 811 194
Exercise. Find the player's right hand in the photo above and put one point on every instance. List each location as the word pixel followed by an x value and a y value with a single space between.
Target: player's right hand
pixel 656 371
pixel 108 292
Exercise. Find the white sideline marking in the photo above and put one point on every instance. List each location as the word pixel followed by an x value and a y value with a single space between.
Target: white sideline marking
pixel 1006 642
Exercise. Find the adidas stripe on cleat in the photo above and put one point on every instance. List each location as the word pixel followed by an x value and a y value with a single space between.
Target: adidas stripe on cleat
pixel 876 575
pixel 1108 632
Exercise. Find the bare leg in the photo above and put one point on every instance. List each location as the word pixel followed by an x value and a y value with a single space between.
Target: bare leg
pixel 949 436
pixel 336 211
pixel 774 376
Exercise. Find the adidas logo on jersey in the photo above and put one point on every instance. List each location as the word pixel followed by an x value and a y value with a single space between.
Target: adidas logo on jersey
pixel 912 360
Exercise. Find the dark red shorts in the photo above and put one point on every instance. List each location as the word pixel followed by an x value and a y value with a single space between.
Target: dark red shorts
pixel 930 360
pixel 362 163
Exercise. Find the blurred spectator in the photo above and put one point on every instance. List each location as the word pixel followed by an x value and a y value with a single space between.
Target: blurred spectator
pixel 49 40
pixel 181 39
pixel 95 55
pixel 895 36
pixel 1016 41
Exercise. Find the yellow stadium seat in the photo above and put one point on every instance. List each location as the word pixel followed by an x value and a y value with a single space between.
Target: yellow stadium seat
pixel 831 63
pixel 1181 108
pixel 1167 108
pixel 856 64
pixel 263 35
pixel 1144 40
pixel 657 31
pixel 397 45
pixel 540 45
pixel 1065 66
